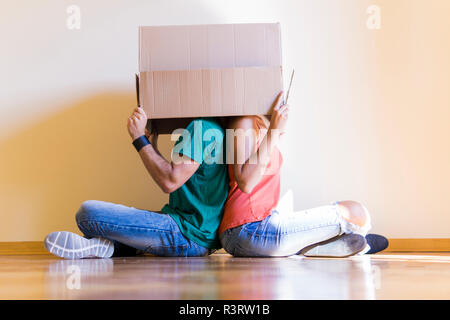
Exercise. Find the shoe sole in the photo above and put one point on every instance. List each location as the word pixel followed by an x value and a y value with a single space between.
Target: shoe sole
pixel 69 245
pixel 342 246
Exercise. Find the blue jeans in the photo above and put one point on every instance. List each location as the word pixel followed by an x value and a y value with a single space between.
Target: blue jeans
pixel 133 230
pixel 283 234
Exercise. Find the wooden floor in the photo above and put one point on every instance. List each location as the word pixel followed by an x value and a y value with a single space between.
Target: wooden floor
pixel 220 276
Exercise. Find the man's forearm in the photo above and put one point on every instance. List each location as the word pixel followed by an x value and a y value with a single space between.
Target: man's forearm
pixel 155 147
pixel 159 168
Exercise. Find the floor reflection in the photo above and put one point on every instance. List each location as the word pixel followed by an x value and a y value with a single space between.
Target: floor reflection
pixel 68 279
pixel 303 278
pixel 132 278
pixel 216 277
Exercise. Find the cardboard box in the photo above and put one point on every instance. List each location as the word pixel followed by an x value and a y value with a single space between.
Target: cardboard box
pixel 195 71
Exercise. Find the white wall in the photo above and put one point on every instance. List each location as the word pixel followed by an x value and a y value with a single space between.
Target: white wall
pixel 370 108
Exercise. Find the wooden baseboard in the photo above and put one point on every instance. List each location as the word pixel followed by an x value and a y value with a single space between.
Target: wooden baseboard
pixel 419 245
pixel 395 245
pixel 22 248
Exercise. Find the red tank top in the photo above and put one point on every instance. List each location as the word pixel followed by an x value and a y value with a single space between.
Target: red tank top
pixel 241 208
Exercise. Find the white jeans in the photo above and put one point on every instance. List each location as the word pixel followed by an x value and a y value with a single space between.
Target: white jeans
pixel 287 233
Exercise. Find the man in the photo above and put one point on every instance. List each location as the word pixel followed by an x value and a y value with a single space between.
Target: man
pixel 198 186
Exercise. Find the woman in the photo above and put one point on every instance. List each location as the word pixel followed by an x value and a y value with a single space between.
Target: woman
pixel 252 226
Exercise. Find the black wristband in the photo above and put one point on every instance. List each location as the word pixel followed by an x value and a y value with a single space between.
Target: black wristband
pixel 140 142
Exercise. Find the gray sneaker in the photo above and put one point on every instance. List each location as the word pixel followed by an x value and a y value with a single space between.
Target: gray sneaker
pixel 341 246
pixel 69 245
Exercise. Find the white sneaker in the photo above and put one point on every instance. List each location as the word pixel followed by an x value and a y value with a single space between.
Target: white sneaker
pixel 69 245
pixel 342 246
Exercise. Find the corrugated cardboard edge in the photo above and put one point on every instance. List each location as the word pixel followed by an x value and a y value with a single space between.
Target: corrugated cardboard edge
pixel 210 92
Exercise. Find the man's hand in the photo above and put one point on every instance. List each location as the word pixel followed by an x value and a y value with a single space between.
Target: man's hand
pixel 136 123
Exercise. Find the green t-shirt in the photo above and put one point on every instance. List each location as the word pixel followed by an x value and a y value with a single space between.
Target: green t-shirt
pixel 197 206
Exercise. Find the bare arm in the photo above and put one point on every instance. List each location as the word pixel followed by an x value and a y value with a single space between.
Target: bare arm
pixel 249 170
pixel 168 175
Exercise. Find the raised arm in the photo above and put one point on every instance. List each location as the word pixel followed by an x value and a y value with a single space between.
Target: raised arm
pixel 169 176
pixel 249 166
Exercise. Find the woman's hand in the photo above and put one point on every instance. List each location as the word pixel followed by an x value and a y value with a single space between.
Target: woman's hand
pixel 136 123
pixel 279 117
